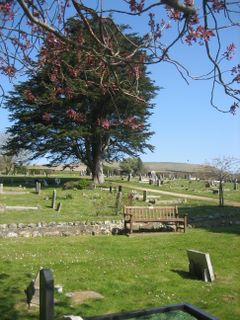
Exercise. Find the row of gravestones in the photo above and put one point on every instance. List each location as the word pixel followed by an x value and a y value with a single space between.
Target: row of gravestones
pixel 55 206
pixel 41 290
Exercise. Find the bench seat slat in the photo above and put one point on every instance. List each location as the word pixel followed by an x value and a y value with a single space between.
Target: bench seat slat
pixel 153 214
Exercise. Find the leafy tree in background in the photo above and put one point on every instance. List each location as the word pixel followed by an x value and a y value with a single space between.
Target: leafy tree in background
pixel 63 115
pixel 223 169
pixel 25 25
pixel 132 165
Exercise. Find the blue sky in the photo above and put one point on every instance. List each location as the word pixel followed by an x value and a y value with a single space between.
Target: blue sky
pixel 187 128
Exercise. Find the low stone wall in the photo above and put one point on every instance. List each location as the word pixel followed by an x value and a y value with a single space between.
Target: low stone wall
pixel 14 230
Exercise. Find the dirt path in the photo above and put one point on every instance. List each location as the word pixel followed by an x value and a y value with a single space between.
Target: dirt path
pixel 182 195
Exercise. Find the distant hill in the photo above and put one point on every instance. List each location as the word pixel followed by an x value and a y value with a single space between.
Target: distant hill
pixel 174 167
pixel 169 167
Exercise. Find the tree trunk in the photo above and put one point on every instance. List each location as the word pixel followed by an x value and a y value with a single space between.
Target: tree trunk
pixel 97 172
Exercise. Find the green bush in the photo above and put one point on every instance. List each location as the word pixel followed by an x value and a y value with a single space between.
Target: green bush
pixel 80 184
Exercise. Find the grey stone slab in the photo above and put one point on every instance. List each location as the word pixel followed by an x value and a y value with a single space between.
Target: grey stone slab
pixel 200 265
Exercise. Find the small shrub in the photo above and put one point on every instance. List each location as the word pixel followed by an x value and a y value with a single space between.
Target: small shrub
pixel 68 196
pixel 81 184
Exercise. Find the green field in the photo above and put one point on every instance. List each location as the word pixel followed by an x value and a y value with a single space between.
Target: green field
pixel 131 273
pixel 144 270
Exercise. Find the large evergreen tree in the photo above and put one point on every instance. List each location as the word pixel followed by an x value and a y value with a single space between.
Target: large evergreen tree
pixel 57 115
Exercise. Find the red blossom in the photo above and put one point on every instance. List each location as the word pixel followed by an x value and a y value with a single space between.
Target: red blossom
pixel 200 33
pixel 135 6
pixel 28 95
pixel 76 116
pixel 234 107
pixel 8 70
pixel 173 14
pixel 229 53
pixel 104 123
pixel 217 5
pixel 6 10
pixel 133 123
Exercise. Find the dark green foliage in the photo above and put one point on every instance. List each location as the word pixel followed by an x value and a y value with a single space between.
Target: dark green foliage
pixel 67 122
pixel 81 184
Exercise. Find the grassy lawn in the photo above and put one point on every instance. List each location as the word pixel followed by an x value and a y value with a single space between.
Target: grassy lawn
pixel 197 188
pixel 142 271
pixel 131 273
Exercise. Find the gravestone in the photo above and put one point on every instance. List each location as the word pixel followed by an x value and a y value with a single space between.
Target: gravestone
pixel 38 187
pixel 118 200
pixel 235 185
pixel 54 196
pixel 144 195
pixel 46 295
pixel 1 188
pixel 59 207
pixel 200 265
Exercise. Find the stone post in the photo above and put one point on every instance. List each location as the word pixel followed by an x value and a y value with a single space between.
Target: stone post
pixel 1 187
pixel 118 201
pixel 54 196
pixel 46 295
pixel 59 207
pixel 145 195
pixel 38 187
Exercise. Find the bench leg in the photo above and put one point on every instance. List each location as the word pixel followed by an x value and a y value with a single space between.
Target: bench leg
pixel 185 223
pixel 131 226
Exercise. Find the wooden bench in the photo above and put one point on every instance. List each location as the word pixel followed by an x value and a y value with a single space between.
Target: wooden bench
pixel 164 215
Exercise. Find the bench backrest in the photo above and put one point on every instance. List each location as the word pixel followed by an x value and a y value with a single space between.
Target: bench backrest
pixel 151 212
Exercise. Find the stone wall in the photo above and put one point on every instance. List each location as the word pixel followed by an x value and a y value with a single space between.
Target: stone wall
pixel 40 229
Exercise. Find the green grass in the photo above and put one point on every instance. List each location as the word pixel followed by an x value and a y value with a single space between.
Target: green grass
pixel 197 188
pixel 91 205
pixel 131 273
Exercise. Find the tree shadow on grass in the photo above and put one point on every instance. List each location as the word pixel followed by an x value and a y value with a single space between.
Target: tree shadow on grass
pixel 7 299
pixel 11 307
pixel 213 218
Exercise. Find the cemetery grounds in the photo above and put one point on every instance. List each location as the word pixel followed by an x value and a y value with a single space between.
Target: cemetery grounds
pixel 141 271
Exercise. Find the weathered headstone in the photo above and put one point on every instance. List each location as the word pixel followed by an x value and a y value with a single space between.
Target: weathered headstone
pixel 1 188
pixel 118 201
pixel 38 187
pixel 46 295
pixel 59 207
pixel 144 195
pixel 54 196
pixel 200 265
pixel 235 185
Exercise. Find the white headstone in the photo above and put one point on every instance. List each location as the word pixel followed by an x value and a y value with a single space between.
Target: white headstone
pixel 200 265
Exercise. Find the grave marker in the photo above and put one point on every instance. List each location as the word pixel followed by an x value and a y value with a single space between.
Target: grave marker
pixel 200 265
pixel 144 195
pixel 38 187
pixel 59 207
pixel 46 295
pixel 54 196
